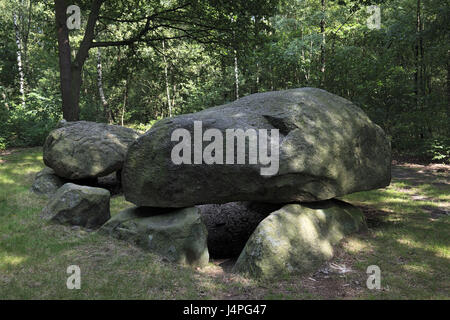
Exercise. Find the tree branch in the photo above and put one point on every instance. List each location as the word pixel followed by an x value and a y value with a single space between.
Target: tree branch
pixel 88 34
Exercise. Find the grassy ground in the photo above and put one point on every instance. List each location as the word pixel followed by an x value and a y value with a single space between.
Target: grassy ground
pixel 409 239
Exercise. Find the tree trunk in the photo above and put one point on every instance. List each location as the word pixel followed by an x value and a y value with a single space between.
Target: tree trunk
pixel 258 67
pixel 322 45
pixel 422 54
pixel 258 71
pixel 125 101
pixel 448 89
pixel 106 110
pixel 166 74
pixel 70 73
pixel 19 59
pixel 174 92
pixel 27 33
pixel 417 55
pixel 236 74
pixel 69 106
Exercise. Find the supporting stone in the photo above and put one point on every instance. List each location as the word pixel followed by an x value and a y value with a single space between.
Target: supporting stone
pixel 177 235
pixel 78 205
pixel 298 238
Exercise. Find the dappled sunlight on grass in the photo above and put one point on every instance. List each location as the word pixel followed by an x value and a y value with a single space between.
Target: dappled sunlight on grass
pixel 118 203
pixel 26 199
pixel 409 245
pixel 10 260
pixel 442 251
pixel 415 268
pixel 354 245
pixel 5 180
pixel 411 240
pixel 405 199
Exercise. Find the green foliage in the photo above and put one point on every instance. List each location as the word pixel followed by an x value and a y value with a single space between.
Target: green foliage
pixel 2 143
pixel 29 126
pixel 438 149
pixel 275 45
pixel 143 127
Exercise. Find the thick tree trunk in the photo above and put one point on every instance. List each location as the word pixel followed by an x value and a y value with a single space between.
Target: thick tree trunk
pixel 71 73
pixel 69 105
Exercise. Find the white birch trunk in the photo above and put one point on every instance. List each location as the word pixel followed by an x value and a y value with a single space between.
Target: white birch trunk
pixel 166 74
pixel 100 86
pixel 19 59
pixel 236 74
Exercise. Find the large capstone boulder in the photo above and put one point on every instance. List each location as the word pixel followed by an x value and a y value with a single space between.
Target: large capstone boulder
pixel 78 205
pixel 46 182
pixel 83 150
pixel 230 225
pixel 327 147
pixel 298 238
pixel 177 235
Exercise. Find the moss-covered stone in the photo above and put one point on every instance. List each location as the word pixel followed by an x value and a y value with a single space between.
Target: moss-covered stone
pixel 178 235
pixel 298 238
pixel 83 149
pixel 46 182
pixel 78 205
pixel 328 148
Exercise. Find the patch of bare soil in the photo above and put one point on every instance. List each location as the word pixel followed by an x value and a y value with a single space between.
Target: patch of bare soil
pixel 337 279
pixel 7 152
pixel 436 175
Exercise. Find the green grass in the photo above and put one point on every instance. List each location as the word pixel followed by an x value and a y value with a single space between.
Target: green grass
pixel 411 248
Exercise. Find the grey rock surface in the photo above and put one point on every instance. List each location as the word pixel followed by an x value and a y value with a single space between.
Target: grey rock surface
pixel 78 205
pixel 328 148
pixel 177 235
pixel 298 238
pixel 83 150
pixel 46 182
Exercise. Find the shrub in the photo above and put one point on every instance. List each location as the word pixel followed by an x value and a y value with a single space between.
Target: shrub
pixel 28 126
pixel 438 149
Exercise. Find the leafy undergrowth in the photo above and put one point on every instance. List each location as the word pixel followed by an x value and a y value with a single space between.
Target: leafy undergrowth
pixel 409 239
